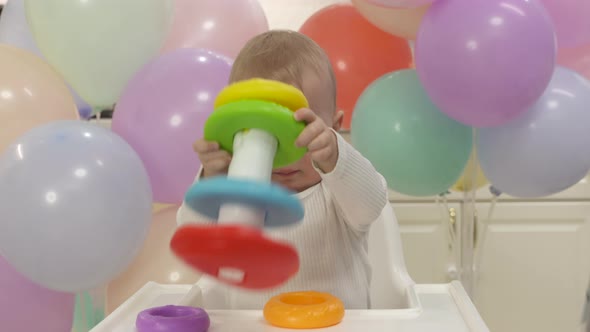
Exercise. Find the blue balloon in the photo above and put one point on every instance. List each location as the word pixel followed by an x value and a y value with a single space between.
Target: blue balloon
pixel 75 205
pixel 85 111
pixel 547 149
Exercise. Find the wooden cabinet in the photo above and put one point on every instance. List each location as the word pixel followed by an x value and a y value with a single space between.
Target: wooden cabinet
pixel 426 238
pixel 535 261
pixel 534 267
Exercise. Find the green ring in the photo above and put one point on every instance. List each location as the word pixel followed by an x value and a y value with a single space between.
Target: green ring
pixel 229 119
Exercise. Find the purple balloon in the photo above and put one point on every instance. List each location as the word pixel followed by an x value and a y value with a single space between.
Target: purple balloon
pixel 26 306
pixel 483 62
pixel 162 113
pixel 545 150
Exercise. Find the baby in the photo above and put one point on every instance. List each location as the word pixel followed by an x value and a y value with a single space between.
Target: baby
pixel 340 190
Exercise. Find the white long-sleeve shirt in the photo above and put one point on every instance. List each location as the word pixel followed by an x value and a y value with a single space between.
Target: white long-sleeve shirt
pixel 332 238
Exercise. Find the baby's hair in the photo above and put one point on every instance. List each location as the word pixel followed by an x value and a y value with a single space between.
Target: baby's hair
pixel 281 55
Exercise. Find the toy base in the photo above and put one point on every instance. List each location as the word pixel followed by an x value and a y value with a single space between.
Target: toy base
pixel 237 255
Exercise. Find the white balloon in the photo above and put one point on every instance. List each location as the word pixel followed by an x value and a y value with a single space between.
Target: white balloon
pixel 75 205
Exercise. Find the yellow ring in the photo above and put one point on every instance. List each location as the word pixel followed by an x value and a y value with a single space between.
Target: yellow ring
pixel 304 310
pixel 267 90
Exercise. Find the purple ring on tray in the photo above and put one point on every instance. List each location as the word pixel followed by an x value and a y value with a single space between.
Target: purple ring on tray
pixel 173 318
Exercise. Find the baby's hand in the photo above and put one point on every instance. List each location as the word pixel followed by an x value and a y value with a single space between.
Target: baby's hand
pixel 319 139
pixel 215 161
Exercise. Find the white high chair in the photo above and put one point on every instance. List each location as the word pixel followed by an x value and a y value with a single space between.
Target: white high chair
pixel 391 285
pixel 398 304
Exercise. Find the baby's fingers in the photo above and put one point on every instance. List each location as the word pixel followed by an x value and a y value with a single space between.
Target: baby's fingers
pixel 202 146
pixel 216 155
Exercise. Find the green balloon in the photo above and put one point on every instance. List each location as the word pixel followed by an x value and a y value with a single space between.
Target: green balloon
pixel 98 45
pixel 418 149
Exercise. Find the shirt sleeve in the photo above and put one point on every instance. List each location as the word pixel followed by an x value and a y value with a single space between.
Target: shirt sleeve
pixel 359 191
pixel 186 215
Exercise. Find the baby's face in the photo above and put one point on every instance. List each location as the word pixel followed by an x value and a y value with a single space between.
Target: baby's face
pixel 318 91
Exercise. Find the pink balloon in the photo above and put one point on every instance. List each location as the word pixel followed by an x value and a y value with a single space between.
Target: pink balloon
pixel 223 26
pixel 577 59
pixel 400 3
pixel 162 112
pixel 572 21
pixel 26 306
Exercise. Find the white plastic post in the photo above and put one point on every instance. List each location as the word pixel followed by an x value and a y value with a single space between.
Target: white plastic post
pixel 253 157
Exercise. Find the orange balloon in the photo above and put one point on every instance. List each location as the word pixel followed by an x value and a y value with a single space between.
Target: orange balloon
pixel 359 52
pixel 402 22
pixel 155 262
pixel 32 93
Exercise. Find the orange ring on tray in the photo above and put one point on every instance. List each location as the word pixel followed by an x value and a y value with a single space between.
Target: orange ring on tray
pixel 304 310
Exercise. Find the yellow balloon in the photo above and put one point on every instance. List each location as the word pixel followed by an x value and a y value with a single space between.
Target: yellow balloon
pixel 155 262
pixel 465 182
pixel 157 207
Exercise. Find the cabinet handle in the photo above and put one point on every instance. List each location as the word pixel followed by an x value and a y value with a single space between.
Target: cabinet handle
pixel 475 228
pixel 452 227
pixel 452 217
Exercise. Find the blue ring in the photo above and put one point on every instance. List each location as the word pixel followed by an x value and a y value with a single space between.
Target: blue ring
pixel 281 206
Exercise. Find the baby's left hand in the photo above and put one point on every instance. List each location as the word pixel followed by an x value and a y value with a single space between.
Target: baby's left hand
pixel 319 139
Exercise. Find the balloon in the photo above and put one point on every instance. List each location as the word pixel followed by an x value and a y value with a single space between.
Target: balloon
pixel 577 59
pixel 156 207
pixel 545 150
pixel 400 3
pixel 402 22
pixel 97 45
pixel 26 306
pixel 360 52
pixel 223 26
pixel 156 262
pixel 484 62
pixel 85 112
pixel 470 181
pixel 14 30
pixel 31 93
pixel 75 205
pixel 419 150
pixel 162 112
pixel 570 18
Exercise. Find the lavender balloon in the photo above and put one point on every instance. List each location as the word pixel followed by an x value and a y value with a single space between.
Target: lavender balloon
pixel 545 150
pixel 483 62
pixel 162 113
pixel 26 306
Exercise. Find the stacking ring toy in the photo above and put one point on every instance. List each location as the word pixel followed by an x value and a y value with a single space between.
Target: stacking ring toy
pixel 172 319
pixel 254 121
pixel 304 310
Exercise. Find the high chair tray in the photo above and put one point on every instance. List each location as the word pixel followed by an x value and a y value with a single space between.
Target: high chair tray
pixel 441 308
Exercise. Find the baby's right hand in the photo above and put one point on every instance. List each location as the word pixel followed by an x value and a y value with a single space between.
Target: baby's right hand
pixel 215 161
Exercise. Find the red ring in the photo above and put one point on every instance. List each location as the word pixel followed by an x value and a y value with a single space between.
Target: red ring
pixel 265 263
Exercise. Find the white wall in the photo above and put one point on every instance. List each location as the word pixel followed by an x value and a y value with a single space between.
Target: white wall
pixel 290 14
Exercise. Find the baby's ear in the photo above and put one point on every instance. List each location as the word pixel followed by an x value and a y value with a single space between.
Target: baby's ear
pixel 337 120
